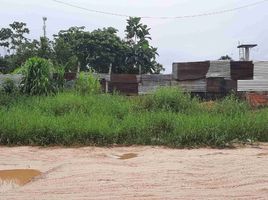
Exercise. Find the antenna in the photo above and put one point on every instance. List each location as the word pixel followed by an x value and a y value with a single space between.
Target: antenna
pixel 44 26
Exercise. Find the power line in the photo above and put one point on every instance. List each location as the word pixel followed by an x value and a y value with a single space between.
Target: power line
pixel 91 10
pixel 165 17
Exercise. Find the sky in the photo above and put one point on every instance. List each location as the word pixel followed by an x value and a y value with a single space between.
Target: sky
pixel 177 40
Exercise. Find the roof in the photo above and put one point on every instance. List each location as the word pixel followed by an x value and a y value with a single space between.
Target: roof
pixel 247 45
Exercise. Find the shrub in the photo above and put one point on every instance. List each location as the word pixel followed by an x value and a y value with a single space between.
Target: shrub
pixel 87 84
pixel 170 99
pixel 9 86
pixel 72 119
pixel 231 106
pixel 37 78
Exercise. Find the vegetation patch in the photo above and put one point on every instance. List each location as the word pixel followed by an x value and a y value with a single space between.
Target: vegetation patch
pixel 169 117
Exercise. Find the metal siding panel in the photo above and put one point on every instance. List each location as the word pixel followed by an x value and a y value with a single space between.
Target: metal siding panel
pixel 219 69
pixel 261 70
pixel 124 88
pixel 124 78
pixel 148 89
pixel 242 70
pixel 190 70
pixel 253 85
pixel 192 85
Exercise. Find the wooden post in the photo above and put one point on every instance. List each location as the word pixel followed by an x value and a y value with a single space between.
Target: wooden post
pixel 107 83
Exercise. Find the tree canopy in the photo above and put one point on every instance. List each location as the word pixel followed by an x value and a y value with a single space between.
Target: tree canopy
pixel 76 47
pixel 227 57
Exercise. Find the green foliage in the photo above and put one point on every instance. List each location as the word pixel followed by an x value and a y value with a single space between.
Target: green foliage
pixel 75 47
pixel 227 57
pixel 231 106
pixel 140 56
pixel 58 78
pixel 171 99
pixel 37 79
pixel 71 119
pixel 86 83
pixel 9 86
pixel 12 38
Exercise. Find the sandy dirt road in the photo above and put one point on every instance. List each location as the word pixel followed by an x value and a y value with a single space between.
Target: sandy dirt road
pixel 149 173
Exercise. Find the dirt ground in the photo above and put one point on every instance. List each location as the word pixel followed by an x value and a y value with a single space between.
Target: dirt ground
pixel 154 173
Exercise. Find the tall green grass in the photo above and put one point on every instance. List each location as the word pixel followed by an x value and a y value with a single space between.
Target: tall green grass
pixel 168 117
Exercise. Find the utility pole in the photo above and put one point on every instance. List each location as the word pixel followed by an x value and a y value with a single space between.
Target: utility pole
pixel 44 26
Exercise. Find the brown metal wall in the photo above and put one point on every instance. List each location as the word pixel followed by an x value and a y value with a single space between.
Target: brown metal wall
pixel 124 88
pixel 221 85
pixel 190 71
pixel 124 78
pixel 124 84
pixel 242 70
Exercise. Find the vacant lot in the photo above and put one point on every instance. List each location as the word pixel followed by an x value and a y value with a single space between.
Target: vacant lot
pixel 168 117
pixel 138 173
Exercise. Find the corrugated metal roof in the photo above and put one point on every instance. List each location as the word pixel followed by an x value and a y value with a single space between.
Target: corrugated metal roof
pixel 219 69
pixel 253 85
pixel 261 70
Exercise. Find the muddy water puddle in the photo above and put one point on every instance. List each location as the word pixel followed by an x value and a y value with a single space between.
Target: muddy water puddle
pixel 18 176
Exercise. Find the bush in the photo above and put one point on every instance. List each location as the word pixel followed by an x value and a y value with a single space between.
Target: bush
pixel 38 78
pixel 87 84
pixel 231 105
pixel 170 99
pixel 9 86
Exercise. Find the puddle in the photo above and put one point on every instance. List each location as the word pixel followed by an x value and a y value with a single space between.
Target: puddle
pixel 18 176
pixel 128 156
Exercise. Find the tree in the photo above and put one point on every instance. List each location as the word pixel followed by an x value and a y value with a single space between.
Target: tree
pixel 18 31
pixel 45 48
pixel 65 47
pixel 13 37
pixel 97 49
pixel 227 57
pixel 100 48
pixel 5 36
pixel 19 47
pixel 75 47
pixel 141 57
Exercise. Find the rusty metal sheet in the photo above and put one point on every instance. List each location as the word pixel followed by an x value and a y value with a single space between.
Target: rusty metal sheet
pixel 124 78
pixel 156 77
pixel 124 88
pixel 221 85
pixel 242 70
pixel 190 70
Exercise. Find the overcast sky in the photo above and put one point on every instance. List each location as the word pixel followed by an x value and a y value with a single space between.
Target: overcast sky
pixel 203 38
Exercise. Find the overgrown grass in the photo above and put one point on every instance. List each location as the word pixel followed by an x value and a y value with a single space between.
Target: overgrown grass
pixel 168 117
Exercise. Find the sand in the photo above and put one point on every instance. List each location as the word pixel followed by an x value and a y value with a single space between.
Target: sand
pixel 154 173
